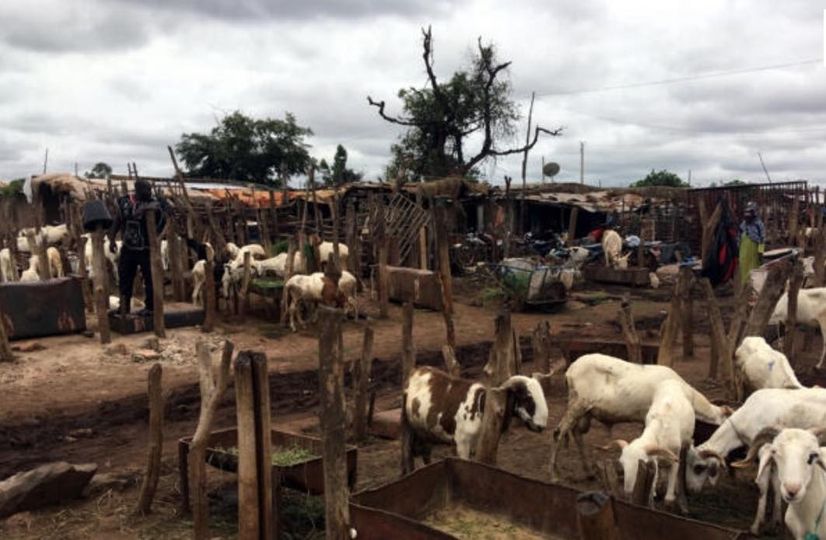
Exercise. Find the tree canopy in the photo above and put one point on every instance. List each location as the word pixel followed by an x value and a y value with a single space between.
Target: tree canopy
pixel 660 178
pixel 339 173
pixel 247 149
pixel 441 117
pixel 99 170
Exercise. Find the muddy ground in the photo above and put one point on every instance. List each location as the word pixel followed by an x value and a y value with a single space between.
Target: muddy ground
pixel 76 401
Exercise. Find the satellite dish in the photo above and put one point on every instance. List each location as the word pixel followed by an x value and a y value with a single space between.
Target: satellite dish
pixel 550 169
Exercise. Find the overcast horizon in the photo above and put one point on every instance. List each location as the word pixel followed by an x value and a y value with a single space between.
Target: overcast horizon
pixel 647 85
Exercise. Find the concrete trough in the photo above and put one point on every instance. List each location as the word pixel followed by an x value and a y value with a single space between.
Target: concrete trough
pixel 399 509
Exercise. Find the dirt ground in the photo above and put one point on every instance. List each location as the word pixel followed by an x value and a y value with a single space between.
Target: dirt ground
pixel 79 402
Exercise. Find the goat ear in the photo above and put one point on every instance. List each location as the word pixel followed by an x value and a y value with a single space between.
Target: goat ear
pixel 619 442
pixel 655 451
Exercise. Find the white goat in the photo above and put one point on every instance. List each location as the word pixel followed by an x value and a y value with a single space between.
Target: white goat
pixel 235 253
pixel 612 249
pixel 165 254
pixel 136 304
pixel 107 252
pixel 612 391
pixel 668 424
pixel 760 366
pixel 234 274
pixel 51 234
pixel 800 470
pixel 325 250
pixel 8 269
pixel 772 407
pixel 55 262
pixel 199 275
pixel 811 311
pixel 31 274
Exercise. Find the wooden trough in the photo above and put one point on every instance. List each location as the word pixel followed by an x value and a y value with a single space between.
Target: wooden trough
pixel 573 347
pixel 43 308
pixel 307 476
pixel 637 277
pixel 399 510
pixel 175 314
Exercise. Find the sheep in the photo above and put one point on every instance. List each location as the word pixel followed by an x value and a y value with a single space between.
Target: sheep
pixel 278 265
pixel 51 234
pixel 611 390
pixel 779 407
pixel 797 460
pixel 136 304
pixel 55 262
pixel 234 273
pixel 439 408
pixel 760 366
pixel 612 249
pixel 811 311
pixel 31 274
pixel 325 250
pixel 199 272
pixel 668 424
pixel 235 253
pixel 312 289
pixel 8 270
pixel 165 255
pixel 107 253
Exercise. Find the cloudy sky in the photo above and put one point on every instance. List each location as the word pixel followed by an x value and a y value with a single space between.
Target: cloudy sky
pixel 646 84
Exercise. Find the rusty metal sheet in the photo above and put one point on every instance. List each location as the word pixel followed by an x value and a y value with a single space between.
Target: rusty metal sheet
pixel 394 510
pixel 43 308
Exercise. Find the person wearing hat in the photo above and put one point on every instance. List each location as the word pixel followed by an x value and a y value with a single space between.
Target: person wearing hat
pixel 752 241
pixel 131 221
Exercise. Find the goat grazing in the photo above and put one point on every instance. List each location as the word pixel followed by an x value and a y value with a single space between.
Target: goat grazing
pixel 439 408
pixel 612 391
pixel 760 366
pixel 668 424
pixel 797 460
pixel 811 311
pixel 771 407
pixel 612 249
pixel 311 290
pixel 235 253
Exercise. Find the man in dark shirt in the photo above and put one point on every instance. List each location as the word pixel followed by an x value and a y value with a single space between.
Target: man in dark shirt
pixel 131 221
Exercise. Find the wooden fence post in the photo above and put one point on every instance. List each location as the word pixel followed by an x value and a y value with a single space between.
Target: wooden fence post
pixel 6 354
pixel 248 500
pixel 361 378
pixel 383 241
pixel 687 312
pixel 791 314
pixel 245 283
pixel 212 386
pixel 767 300
pixel 541 345
pixel 595 517
pixel 88 296
pixel 408 349
pixel 333 423
pixel 153 464
pixel 210 302
pixel 501 357
pixel 671 325
pixel 491 430
pixel 629 332
pixel 451 364
pixel 101 300
pixel 158 322
pixel 443 249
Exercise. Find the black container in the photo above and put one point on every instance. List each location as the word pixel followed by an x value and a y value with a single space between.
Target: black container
pixel 96 214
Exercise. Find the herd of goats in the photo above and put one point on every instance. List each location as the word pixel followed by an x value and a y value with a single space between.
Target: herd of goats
pixel 302 289
pixel 782 423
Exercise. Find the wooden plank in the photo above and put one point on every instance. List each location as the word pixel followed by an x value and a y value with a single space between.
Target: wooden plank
pixel 595 517
pixel 408 349
pixel 268 510
pixel 629 332
pixel 158 322
pixel 155 450
pixel 361 375
pixel 248 499
pixel 101 298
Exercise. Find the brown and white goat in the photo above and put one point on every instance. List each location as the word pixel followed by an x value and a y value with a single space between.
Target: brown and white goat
pixel 311 290
pixel 442 409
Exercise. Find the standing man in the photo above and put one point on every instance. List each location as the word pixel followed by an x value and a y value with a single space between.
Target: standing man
pixel 131 221
pixel 752 241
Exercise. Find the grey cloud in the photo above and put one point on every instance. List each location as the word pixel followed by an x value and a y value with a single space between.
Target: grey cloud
pixel 250 10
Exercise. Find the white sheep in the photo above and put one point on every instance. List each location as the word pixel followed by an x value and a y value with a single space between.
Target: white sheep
pixel 107 253
pixel 771 407
pixel 811 311
pixel 55 262
pixel 612 249
pixel 799 464
pixel 612 390
pixel 325 250
pixel 235 253
pixel 31 274
pixel 760 366
pixel 51 234
pixel 668 424
pixel 8 270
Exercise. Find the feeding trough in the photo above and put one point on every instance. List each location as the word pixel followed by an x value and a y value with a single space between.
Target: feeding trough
pixel 296 459
pixel 490 502
pixel 637 277
pixel 175 314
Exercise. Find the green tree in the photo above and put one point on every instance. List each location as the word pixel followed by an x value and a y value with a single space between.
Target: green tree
pixel 440 118
pixel 100 170
pixel 735 182
pixel 339 173
pixel 247 149
pixel 660 178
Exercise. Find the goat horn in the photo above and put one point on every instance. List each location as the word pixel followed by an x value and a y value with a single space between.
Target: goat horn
pixel 619 442
pixel 662 452
pixel 705 454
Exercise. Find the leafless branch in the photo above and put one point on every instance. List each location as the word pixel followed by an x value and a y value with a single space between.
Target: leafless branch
pixel 380 106
pixel 553 133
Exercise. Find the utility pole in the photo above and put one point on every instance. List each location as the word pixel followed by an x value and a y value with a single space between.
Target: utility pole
pixel 542 172
pixel 581 162
pixel 45 161
pixel 764 167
